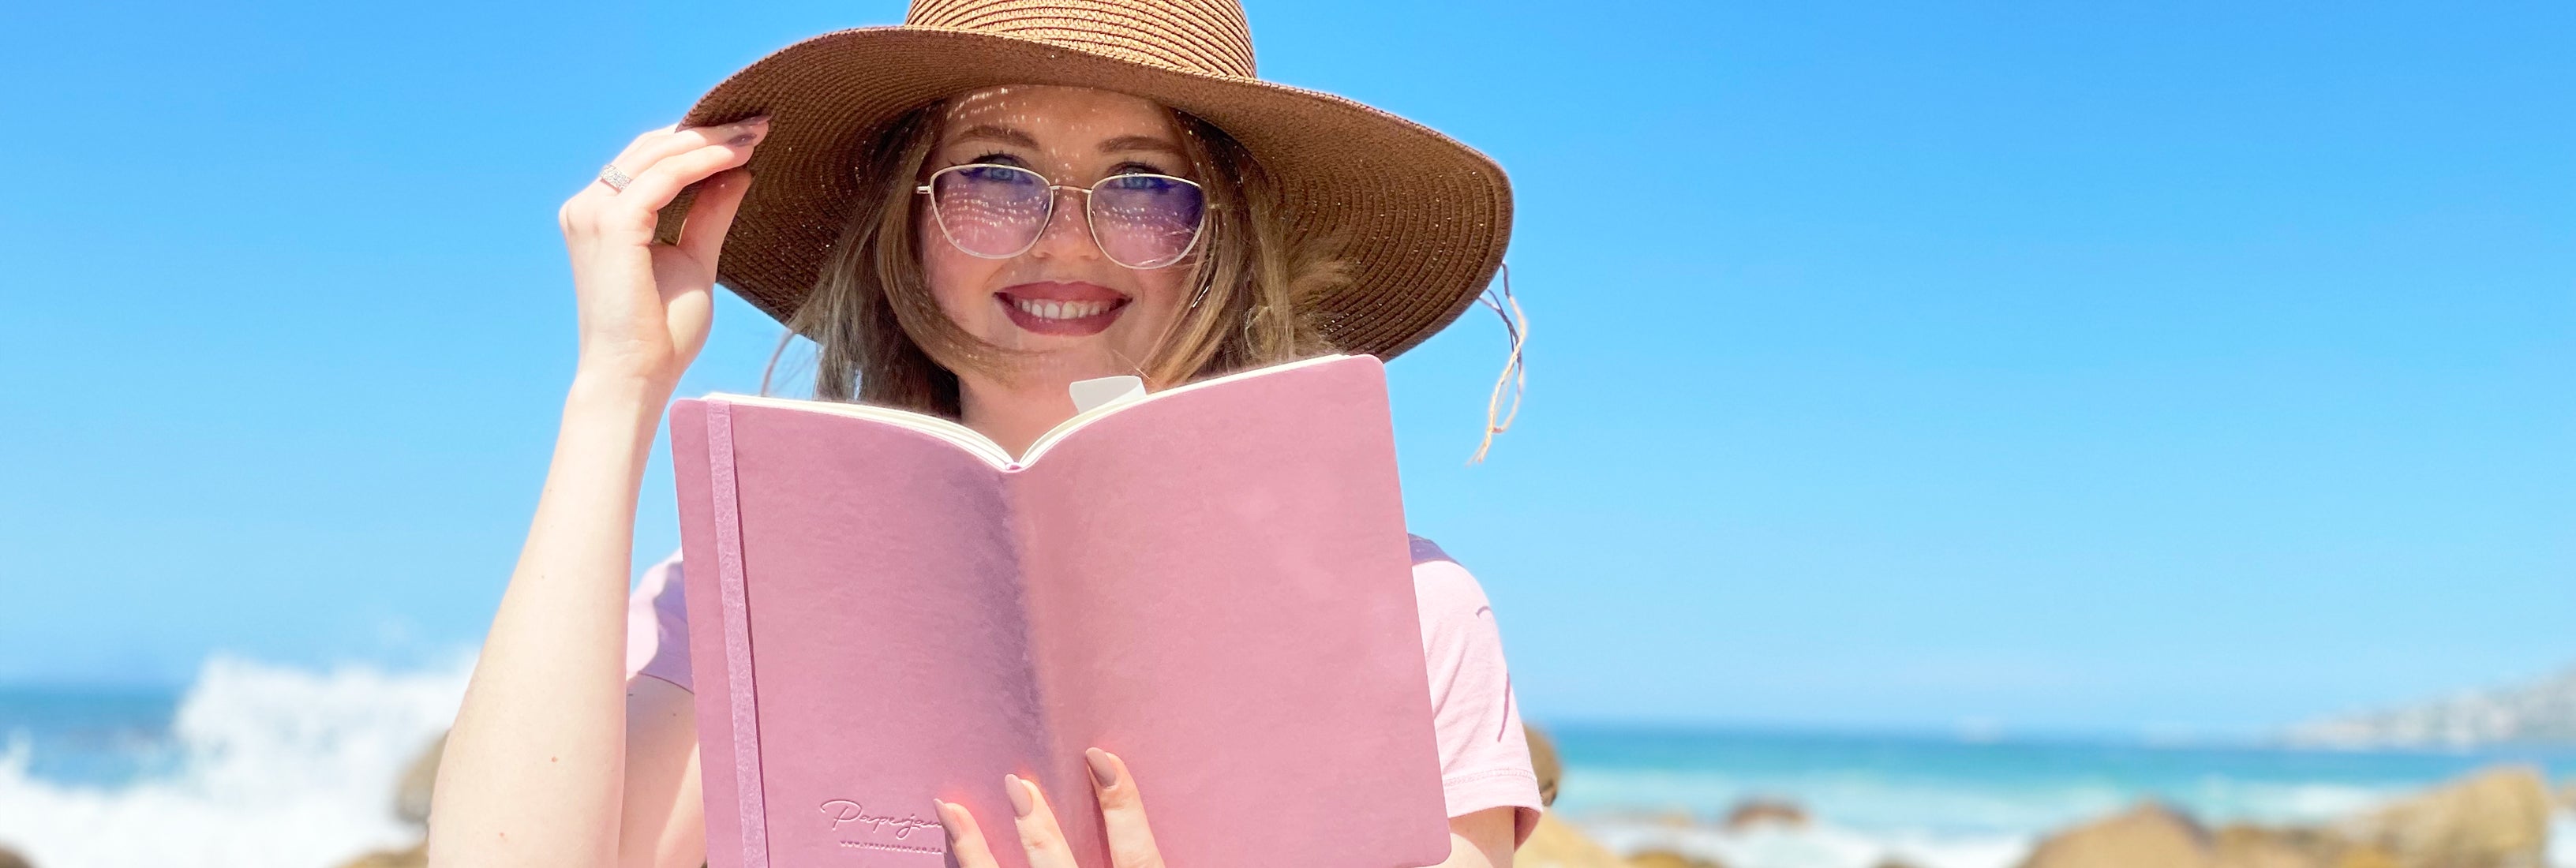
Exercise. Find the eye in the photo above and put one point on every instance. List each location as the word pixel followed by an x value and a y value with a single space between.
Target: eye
pixel 1000 158
pixel 1135 168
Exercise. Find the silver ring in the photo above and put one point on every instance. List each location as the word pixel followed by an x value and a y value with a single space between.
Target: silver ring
pixel 615 179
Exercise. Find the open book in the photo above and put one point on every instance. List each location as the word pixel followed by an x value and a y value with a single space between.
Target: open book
pixel 1212 581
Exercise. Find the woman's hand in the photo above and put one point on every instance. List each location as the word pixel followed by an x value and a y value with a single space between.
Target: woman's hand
pixel 643 306
pixel 1122 813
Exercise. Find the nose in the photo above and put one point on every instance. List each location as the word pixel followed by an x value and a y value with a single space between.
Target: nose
pixel 1068 230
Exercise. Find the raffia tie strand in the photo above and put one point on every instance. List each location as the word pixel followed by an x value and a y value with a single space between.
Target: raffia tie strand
pixel 1515 375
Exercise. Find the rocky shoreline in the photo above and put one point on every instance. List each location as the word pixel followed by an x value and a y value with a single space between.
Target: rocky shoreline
pixel 2497 817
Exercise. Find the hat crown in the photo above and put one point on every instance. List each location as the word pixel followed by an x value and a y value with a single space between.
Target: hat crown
pixel 1203 36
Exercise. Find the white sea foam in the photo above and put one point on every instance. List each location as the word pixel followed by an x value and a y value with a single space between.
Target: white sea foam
pixel 278 768
pixel 1824 844
pixel 1818 845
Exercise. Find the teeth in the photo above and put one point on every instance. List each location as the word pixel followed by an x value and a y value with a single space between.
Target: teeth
pixel 1060 309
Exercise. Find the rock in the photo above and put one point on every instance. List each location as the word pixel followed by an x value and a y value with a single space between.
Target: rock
pixel 1761 812
pixel 2147 836
pixel 1543 761
pixel 2496 818
pixel 1668 818
pixel 411 804
pixel 10 859
pixel 416 857
pixel 2367 857
pixel 1670 859
pixel 411 795
pixel 1557 844
pixel 2247 846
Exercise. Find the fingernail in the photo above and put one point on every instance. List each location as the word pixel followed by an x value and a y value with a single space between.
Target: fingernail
pixel 755 121
pixel 743 139
pixel 1021 802
pixel 1102 772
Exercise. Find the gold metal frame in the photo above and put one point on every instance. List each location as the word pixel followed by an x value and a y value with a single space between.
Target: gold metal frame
pixel 1047 218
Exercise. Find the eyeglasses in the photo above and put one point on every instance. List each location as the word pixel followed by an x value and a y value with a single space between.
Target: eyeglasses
pixel 997 212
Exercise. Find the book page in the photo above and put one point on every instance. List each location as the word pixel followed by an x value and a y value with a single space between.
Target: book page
pixel 1220 591
pixel 974 441
pixel 952 432
pixel 1067 427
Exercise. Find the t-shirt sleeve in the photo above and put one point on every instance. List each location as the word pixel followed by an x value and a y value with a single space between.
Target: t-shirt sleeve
pixel 657 625
pixel 1484 754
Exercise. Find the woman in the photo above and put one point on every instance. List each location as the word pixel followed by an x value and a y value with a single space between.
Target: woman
pixel 966 213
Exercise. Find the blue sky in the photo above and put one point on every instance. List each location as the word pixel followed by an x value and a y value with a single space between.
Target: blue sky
pixel 2181 367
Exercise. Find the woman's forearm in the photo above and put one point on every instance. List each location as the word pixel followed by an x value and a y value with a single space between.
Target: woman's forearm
pixel 534 767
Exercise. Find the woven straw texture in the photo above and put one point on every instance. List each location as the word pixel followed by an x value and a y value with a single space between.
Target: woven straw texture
pixel 1422 219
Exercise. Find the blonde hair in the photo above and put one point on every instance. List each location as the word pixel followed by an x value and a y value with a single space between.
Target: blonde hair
pixel 881 338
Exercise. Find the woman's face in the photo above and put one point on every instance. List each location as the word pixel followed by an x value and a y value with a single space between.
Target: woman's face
pixel 1082 314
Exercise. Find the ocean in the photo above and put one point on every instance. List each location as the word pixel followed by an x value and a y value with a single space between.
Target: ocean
pixel 281 767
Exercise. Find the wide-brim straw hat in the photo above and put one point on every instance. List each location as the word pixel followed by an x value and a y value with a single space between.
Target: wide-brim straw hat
pixel 1421 219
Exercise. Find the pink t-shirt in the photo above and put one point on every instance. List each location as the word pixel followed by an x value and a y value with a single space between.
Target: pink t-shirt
pixel 1484 756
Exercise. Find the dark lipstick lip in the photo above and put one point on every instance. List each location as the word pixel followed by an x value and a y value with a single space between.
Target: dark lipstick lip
pixel 1089 325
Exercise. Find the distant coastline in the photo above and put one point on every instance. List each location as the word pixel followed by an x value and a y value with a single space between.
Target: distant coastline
pixel 2536 713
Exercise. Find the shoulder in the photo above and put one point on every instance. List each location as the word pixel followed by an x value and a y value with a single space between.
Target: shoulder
pixel 1484 754
pixel 1444 588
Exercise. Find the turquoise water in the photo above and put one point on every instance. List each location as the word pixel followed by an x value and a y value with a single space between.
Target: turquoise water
pixel 91 737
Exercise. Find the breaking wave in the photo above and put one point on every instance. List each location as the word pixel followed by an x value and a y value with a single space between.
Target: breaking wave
pixel 254 765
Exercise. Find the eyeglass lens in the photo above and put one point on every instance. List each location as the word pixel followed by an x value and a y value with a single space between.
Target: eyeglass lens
pixel 1140 221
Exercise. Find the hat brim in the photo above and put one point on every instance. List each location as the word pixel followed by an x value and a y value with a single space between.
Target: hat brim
pixel 1422 220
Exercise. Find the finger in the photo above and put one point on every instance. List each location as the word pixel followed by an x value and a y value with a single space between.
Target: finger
pixel 1039 835
pixel 1122 812
pixel 599 210
pixel 711 215
pixel 657 145
pixel 965 841
pixel 657 186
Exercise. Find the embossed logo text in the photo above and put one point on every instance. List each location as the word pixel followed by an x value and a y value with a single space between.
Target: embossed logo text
pixel 844 811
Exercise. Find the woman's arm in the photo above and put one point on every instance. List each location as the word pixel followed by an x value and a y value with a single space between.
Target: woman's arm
pixel 665 816
pixel 1481 840
pixel 535 769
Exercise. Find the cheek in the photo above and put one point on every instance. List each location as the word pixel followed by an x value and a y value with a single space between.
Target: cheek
pixel 960 282
pixel 1162 292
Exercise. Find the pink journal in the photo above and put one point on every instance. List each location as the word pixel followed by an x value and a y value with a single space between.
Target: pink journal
pixel 1213 582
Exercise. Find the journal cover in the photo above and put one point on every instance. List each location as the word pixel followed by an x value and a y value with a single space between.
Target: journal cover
pixel 1213 582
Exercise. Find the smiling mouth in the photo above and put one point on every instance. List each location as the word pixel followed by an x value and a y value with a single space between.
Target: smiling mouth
pixel 1062 308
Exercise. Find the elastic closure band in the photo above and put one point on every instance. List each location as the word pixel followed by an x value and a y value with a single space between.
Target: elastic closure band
pixel 737 633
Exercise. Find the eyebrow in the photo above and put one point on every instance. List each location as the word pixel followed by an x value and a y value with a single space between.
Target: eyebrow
pixel 1139 143
pixel 1005 135
pixel 1016 138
